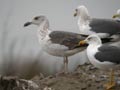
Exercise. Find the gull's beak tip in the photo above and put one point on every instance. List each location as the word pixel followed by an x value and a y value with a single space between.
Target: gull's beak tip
pixel 27 24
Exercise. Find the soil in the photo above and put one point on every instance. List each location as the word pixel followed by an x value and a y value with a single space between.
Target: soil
pixel 85 77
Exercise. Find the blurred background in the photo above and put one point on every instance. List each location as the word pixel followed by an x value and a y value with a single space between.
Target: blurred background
pixel 20 52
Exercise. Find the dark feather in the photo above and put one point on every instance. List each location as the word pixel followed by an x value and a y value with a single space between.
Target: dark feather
pixel 105 26
pixel 69 39
pixel 108 53
pixel 107 39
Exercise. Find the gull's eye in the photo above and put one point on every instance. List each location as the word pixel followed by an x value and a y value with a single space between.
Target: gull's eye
pixel 36 18
pixel 89 38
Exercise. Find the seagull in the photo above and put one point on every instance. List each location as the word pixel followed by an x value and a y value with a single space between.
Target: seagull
pixel 117 15
pixel 102 56
pixel 57 43
pixel 102 27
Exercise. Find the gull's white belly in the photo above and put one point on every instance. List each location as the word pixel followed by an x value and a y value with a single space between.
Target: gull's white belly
pixel 57 49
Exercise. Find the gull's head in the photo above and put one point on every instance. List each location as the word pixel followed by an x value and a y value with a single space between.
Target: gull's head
pixel 36 21
pixel 117 15
pixel 81 11
pixel 92 39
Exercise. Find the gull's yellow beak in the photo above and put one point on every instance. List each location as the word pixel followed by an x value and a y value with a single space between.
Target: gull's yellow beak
pixel 83 42
pixel 116 16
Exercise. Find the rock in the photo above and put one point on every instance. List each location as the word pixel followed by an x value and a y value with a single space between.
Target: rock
pixel 13 83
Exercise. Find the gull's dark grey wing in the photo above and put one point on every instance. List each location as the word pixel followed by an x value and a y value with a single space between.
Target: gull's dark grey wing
pixel 108 53
pixel 67 39
pixel 108 26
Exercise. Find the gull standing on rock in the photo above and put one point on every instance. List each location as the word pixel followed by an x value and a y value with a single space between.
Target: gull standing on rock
pixel 57 43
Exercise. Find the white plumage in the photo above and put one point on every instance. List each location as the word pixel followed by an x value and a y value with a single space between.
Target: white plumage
pixel 57 43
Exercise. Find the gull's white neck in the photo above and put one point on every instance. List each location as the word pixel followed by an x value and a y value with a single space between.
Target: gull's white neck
pixel 83 20
pixel 93 45
pixel 43 29
pixel 91 50
pixel 83 24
